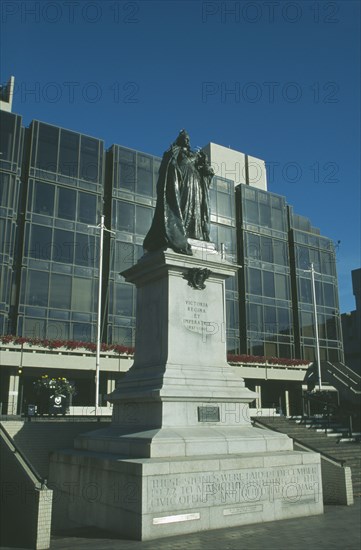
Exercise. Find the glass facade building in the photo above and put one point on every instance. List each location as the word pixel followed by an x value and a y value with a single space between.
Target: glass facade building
pixel 266 303
pixel 11 148
pixel 276 249
pixel 55 185
pixel 57 266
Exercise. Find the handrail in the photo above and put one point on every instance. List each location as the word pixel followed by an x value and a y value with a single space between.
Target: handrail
pixel 348 382
pixel 22 458
pixel 354 373
pixel 344 373
pixel 306 445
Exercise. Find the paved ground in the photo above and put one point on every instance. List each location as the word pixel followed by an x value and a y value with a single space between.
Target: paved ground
pixel 339 527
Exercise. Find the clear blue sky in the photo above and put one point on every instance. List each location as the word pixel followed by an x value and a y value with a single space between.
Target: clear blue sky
pixel 135 73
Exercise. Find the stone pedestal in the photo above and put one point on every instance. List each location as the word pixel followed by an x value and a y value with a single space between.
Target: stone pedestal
pixel 181 455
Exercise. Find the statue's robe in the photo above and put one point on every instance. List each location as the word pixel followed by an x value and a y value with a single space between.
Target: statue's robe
pixel 182 209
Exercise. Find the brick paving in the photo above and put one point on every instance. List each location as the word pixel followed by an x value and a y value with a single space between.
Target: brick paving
pixel 339 527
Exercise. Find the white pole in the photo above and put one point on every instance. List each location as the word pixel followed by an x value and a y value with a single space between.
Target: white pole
pixel 316 326
pixel 97 363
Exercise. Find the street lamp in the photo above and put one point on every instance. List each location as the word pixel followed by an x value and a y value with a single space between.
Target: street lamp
pixel 102 228
pixel 314 303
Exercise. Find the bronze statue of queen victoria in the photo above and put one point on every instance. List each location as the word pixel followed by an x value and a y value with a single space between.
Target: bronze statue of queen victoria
pixel 182 210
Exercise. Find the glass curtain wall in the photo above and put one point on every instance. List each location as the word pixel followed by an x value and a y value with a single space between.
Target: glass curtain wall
pixel 58 297
pixel 266 303
pixel 131 182
pixel 309 247
pixel 223 234
pixel 11 138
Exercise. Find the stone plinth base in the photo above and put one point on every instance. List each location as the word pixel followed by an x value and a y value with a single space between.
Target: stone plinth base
pixel 181 455
pixel 153 498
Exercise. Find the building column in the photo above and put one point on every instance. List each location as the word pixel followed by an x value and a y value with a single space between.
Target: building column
pixel 259 398
pixel 111 383
pixel 13 394
pixel 287 402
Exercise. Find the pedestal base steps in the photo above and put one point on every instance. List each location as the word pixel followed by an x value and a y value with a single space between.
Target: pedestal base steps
pixel 156 497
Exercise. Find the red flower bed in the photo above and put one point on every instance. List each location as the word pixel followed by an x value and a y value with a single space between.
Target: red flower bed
pixel 127 350
pixel 68 344
pixel 260 359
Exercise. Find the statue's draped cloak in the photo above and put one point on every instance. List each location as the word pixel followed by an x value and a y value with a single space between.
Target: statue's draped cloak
pixel 182 208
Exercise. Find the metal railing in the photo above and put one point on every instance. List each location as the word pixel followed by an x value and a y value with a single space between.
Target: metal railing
pixel 305 445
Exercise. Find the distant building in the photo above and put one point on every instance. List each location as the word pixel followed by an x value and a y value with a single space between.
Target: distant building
pixel 55 183
pixel 351 327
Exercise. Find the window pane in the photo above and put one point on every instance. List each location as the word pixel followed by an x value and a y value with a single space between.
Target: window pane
pixel 60 291
pixel 251 210
pixel 58 330
pixel 224 205
pixel 305 290
pixel 66 203
pixel 69 152
pixel 47 148
pixel 126 170
pixel 255 318
pixel 319 295
pixel 82 297
pixel 280 255
pixel 7 135
pixel 125 216
pixel 315 259
pixel 270 349
pixel 232 314
pixel 145 176
pixel 82 332
pixel 34 328
pixel 307 324
pixel 40 242
pixel 63 249
pixel 327 263
pixel 270 320
pixel 85 252
pixel 4 189
pixel 331 328
pixel 266 249
pixel 124 256
pixel 254 281
pixel 281 286
pixel 143 220
pixel 265 215
pixel 37 291
pixel 87 208
pixel 277 219
pixel 256 347
pixel 213 200
pixel 284 321
pixel 89 159
pixel 123 336
pixel 253 246
pixel 123 300
pixel 285 350
pixel 329 295
pixel 268 284
pixel 226 236
pixel 303 259
pixel 44 198
pixel 321 320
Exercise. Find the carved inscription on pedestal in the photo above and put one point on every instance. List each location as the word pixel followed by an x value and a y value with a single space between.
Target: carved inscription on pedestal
pixel 195 317
pixel 290 485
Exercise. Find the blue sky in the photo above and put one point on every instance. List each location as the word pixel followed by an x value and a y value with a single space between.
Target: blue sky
pixel 278 80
